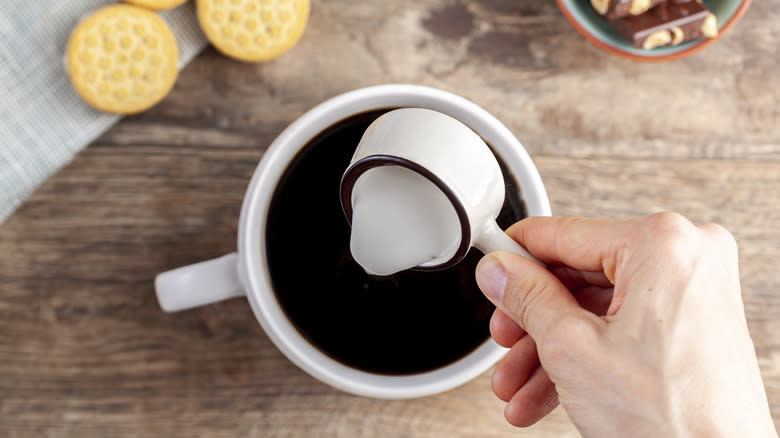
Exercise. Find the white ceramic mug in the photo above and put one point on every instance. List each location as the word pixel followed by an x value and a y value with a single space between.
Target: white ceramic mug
pixel 245 273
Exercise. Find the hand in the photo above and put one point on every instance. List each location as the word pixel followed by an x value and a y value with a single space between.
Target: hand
pixel 637 328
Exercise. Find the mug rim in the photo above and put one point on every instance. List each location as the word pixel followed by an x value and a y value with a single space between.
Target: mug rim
pixel 253 267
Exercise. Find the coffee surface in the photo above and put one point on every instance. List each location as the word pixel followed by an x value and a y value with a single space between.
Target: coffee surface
pixel 406 323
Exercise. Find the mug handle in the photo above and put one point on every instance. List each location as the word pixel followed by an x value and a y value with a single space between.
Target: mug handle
pixel 493 238
pixel 199 284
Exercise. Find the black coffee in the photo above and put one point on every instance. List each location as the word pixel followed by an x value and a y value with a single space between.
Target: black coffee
pixel 406 323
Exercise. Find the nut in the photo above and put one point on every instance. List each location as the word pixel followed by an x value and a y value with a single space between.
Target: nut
pixel 709 27
pixel 639 6
pixel 677 35
pixel 660 38
pixel 601 6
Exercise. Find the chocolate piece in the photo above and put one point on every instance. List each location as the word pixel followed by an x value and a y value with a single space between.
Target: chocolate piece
pixel 668 24
pixel 613 9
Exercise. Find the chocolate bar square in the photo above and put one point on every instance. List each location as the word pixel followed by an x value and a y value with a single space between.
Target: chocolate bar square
pixel 668 24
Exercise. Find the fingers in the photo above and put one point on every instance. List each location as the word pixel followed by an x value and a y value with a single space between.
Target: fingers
pixel 533 401
pixel 504 329
pixel 528 293
pixel 506 332
pixel 515 369
pixel 581 243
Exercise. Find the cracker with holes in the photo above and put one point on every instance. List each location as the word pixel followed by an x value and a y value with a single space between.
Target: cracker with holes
pixel 157 5
pixel 122 59
pixel 253 30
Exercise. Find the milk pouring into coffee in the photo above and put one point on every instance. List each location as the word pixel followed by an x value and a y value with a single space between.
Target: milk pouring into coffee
pixel 400 220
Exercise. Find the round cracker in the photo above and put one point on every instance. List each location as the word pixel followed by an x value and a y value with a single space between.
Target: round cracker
pixel 253 30
pixel 122 59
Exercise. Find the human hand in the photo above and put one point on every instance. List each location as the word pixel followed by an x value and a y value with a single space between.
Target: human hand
pixel 637 328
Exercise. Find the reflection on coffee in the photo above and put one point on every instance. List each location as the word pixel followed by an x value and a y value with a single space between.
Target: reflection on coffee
pixel 406 323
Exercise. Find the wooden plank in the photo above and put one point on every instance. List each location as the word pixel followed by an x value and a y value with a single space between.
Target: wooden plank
pixel 84 349
pixel 524 63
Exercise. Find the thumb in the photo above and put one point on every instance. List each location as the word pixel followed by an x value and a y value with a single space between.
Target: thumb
pixel 528 293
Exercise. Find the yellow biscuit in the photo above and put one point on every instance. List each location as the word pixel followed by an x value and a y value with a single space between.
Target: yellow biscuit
pixel 122 59
pixel 253 30
pixel 157 5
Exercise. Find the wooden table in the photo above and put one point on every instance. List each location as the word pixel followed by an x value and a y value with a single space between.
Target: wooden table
pixel 85 350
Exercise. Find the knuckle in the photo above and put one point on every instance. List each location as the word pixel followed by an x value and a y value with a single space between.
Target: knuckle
pixel 669 224
pixel 719 235
pixel 672 232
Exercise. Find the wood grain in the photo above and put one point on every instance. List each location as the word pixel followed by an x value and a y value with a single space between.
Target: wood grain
pixel 85 351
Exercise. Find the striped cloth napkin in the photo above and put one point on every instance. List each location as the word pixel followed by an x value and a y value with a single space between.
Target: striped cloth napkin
pixel 43 122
